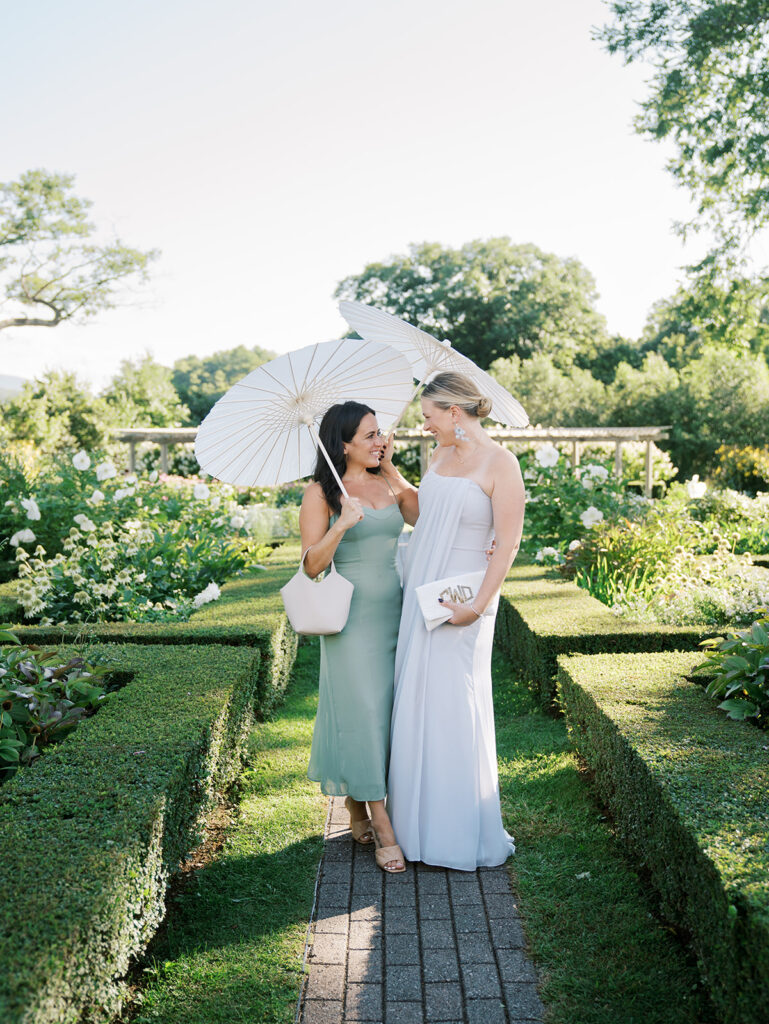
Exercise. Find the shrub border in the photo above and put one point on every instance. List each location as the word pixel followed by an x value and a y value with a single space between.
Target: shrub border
pixel 662 755
pixel 248 613
pixel 542 616
pixel 91 832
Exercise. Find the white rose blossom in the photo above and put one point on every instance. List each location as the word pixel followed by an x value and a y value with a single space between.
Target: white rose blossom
pixel 81 461
pixel 105 470
pixel 575 544
pixel 85 524
pixel 547 455
pixel 22 537
pixel 544 553
pixel 695 487
pixel 201 491
pixel 591 516
pixel 153 476
pixel 97 497
pixel 597 472
pixel 211 593
pixel 237 522
pixel 31 507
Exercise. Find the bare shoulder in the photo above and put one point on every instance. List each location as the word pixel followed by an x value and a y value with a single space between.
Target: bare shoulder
pixel 503 461
pixel 313 496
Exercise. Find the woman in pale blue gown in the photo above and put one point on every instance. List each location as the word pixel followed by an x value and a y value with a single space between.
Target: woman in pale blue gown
pixel 351 738
pixel 443 788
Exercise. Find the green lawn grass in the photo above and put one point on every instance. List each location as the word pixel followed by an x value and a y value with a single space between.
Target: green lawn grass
pixel 9 606
pixel 232 945
pixel 231 948
pixel 603 956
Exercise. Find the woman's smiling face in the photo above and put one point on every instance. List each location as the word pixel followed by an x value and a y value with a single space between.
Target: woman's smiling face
pixel 438 422
pixel 365 448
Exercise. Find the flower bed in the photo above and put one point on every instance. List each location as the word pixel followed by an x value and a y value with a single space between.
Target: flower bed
pixel 684 559
pixel 90 834
pixel 91 545
pixel 542 615
pixel 689 792
pixel 248 613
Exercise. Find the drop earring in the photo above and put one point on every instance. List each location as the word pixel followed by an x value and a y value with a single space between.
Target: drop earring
pixel 459 432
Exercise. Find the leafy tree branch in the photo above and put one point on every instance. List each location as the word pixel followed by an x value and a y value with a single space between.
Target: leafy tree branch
pixel 51 269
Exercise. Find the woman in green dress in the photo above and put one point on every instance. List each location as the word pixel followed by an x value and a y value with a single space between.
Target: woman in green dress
pixel 351 738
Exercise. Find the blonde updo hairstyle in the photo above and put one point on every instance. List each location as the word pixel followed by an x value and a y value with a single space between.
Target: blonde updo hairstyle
pixel 450 388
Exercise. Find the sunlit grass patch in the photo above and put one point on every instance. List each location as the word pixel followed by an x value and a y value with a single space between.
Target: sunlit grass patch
pixel 602 954
pixel 232 946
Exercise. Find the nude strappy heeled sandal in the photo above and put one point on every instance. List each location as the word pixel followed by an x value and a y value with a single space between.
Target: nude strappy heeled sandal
pixel 361 827
pixel 385 854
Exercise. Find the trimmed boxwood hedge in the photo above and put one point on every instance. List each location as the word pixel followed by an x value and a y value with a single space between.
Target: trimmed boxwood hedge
pixel 249 612
pixel 91 832
pixel 541 615
pixel 689 790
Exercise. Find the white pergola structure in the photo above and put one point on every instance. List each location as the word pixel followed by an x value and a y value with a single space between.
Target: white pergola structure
pixel 577 437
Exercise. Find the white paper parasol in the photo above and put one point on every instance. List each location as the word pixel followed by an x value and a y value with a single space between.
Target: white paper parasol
pixel 429 356
pixel 263 431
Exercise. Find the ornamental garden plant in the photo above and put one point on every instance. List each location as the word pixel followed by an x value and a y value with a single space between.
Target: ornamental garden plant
pixel 87 543
pixel 43 697
pixel 684 558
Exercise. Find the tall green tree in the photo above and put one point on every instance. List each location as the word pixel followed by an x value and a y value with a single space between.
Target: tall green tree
pixel 142 394
pixel 492 299
pixel 58 413
pixel 709 95
pixel 734 313
pixel 52 269
pixel 552 397
pixel 202 382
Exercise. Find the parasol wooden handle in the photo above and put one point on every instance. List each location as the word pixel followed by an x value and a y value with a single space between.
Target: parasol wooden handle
pixel 316 438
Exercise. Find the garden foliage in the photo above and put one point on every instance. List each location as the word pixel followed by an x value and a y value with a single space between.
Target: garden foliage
pixel 688 794
pixel 118 806
pixel 43 698
pixel 738 665
pixel 541 615
pixel 90 544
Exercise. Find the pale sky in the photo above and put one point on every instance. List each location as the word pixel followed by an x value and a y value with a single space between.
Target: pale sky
pixel 271 149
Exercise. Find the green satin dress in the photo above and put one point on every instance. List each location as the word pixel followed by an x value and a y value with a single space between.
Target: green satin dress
pixel 351 739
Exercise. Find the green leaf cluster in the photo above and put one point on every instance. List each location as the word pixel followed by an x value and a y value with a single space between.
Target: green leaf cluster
pixel 710 95
pixel 739 666
pixel 42 698
pixel 491 298
pixel 52 268
pixel 201 382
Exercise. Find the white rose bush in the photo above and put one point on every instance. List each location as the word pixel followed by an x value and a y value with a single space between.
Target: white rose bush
pixel 679 559
pixel 113 547
pixel 563 506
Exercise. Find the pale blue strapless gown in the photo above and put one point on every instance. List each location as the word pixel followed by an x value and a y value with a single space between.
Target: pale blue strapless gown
pixel 443 781
pixel 351 738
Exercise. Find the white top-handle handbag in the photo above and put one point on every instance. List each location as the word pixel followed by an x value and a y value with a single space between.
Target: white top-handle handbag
pixel 318 608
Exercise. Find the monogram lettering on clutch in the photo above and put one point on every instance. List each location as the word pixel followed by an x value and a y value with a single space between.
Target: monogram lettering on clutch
pixel 459 595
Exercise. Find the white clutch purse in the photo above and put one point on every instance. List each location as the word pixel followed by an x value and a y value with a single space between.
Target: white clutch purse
pixel 318 608
pixel 460 589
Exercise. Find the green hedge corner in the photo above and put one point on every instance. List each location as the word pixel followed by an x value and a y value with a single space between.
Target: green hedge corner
pixel 689 790
pixel 248 613
pixel 541 616
pixel 91 832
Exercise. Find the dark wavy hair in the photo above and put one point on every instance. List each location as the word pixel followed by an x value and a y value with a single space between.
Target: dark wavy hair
pixel 337 428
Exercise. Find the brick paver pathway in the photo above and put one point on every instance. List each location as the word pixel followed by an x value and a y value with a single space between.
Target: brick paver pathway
pixel 430 945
